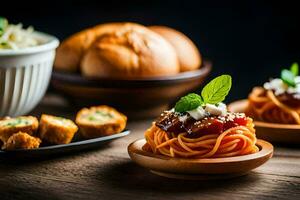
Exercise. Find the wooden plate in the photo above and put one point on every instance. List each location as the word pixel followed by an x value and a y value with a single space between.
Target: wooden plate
pixel 273 132
pixel 75 146
pixel 206 168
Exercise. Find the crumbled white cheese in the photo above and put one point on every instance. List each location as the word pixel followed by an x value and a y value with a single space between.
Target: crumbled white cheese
pixel 198 113
pixel 279 87
pixel 172 110
pixel 209 109
pixel 223 107
pixel 182 118
pixel 220 109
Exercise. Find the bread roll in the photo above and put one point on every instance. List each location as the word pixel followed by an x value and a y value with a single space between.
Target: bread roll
pixel 188 54
pixel 71 50
pixel 130 51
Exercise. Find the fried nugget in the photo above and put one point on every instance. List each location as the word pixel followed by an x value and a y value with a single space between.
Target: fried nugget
pixel 21 140
pixel 9 126
pixel 100 121
pixel 56 130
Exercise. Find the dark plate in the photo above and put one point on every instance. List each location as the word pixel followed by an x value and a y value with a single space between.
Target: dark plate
pixel 77 79
pixel 75 146
pixel 150 95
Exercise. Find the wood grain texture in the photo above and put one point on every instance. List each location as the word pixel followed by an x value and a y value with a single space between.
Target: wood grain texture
pixel 108 173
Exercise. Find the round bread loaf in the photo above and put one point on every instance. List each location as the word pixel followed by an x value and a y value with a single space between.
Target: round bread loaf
pixel 188 55
pixel 71 50
pixel 130 51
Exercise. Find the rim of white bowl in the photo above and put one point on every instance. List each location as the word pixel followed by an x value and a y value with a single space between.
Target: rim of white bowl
pixel 49 42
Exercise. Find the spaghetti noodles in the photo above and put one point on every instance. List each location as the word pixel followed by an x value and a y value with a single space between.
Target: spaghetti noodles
pixel 264 105
pixel 233 138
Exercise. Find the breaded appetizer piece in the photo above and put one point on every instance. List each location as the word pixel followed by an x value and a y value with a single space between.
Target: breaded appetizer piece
pixel 4 118
pixel 21 140
pixel 9 126
pixel 56 130
pixel 100 121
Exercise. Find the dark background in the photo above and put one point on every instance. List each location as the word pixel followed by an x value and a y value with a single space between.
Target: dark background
pixel 251 40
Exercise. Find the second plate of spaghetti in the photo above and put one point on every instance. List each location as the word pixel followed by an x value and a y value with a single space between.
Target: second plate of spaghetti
pixel 273 132
pixel 275 107
pixel 200 139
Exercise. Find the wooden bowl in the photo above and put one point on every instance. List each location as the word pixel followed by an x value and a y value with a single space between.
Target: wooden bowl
pixel 144 97
pixel 206 168
pixel 273 132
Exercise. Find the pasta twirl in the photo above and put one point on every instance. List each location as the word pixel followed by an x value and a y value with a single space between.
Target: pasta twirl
pixel 235 141
pixel 264 105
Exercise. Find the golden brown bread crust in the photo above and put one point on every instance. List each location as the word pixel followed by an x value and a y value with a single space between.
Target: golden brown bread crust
pixel 71 50
pixel 69 53
pixel 21 140
pixel 55 133
pixel 7 131
pixel 92 130
pixel 130 51
pixel 188 55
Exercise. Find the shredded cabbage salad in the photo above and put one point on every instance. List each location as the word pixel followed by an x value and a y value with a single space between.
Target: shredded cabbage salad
pixel 14 36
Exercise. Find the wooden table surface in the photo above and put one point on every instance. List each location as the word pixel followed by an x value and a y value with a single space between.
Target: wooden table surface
pixel 108 173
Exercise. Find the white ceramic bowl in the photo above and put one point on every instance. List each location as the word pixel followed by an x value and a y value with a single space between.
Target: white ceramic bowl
pixel 25 75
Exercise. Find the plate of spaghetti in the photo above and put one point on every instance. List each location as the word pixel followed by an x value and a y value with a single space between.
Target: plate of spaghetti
pixel 275 107
pixel 200 139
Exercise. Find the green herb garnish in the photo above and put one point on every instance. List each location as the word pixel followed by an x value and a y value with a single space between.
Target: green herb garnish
pixel 295 69
pixel 213 93
pixel 3 25
pixel 217 89
pixel 288 76
pixel 188 102
pixel 17 121
pixel 60 118
pixel 3 45
pixel 91 118
pixel 103 114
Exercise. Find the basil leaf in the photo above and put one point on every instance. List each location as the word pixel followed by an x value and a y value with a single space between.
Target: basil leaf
pixel 295 69
pixel 288 77
pixel 217 89
pixel 188 102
